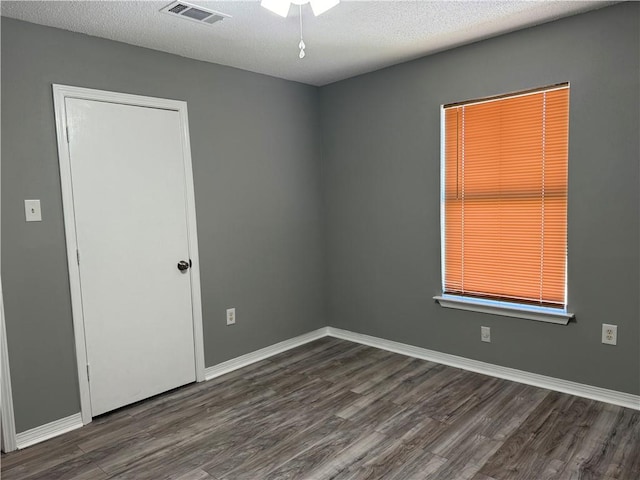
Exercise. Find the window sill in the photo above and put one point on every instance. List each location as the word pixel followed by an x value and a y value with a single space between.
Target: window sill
pixel 540 315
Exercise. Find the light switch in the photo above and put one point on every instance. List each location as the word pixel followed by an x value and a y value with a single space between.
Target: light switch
pixel 32 210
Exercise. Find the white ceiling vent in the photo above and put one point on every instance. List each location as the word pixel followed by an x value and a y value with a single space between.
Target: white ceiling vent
pixel 194 13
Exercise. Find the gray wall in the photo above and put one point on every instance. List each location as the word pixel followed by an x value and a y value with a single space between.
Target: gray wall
pixel 381 173
pixel 287 216
pixel 256 165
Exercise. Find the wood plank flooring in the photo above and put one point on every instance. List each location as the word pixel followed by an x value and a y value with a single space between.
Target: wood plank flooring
pixel 337 410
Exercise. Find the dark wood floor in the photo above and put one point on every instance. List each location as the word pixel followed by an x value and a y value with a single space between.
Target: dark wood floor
pixel 336 410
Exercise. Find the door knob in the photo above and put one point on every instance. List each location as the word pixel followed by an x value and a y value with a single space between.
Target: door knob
pixel 182 265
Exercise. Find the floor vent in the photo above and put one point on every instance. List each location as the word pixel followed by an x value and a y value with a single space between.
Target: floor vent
pixel 194 13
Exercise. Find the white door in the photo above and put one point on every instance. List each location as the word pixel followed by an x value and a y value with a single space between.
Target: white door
pixel 128 184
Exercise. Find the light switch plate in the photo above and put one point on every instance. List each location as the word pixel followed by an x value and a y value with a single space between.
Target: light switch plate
pixel 32 211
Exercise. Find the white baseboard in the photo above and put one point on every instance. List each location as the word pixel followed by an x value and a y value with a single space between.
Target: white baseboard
pixel 258 355
pixel 49 430
pixel 579 389
pixel 64 425
pixel 622 399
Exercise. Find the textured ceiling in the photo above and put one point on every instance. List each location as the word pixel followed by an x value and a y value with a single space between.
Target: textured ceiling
pixel 354 37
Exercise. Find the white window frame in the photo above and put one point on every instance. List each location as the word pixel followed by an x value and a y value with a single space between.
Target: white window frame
pixel 558 316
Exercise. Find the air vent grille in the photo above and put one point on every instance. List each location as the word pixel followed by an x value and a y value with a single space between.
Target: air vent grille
pixel 194 13
pixel 178 8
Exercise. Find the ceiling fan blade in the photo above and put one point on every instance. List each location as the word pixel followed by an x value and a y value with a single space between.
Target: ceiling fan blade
pixel 280 7
pixel 321 6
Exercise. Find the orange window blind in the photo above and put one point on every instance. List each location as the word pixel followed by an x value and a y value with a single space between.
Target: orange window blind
pixel 505 198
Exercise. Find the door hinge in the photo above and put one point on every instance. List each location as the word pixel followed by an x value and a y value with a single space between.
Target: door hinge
pixel 88 373
pixel 78 256
pixel 67 130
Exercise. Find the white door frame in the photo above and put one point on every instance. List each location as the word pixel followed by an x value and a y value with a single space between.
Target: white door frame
pixel 8 420
pixel 60 93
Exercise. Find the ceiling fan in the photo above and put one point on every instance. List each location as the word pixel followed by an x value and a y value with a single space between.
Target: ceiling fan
pixel 281 7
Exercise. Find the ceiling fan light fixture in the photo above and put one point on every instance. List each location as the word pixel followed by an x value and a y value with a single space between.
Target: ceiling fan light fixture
pixel 321 6
pixel 279 7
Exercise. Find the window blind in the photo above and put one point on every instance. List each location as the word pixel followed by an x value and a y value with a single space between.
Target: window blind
pixel 505 198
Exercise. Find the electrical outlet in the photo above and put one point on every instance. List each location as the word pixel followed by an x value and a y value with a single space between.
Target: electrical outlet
pixel 609 334
pixel 231 316
pixel 485 334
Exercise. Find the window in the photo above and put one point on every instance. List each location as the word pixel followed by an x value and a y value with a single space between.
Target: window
pixel 504 201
